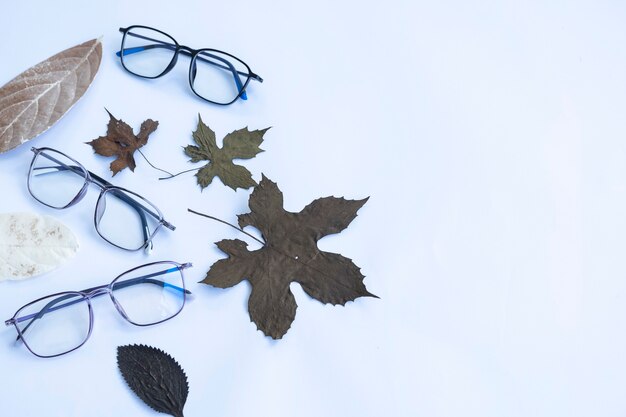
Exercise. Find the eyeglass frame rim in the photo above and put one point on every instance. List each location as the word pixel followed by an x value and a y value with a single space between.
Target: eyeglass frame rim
pixel 104 188
pixel 193 55
pixel 98 290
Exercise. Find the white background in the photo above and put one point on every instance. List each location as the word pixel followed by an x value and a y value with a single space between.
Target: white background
pixel 491 138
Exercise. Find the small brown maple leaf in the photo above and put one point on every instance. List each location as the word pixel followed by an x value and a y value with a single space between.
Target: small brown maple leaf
pixel 290 254
pixel 120 141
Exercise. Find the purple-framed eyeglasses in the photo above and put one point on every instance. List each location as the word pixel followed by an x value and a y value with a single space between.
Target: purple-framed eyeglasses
pixel 122 217
pixel 60 323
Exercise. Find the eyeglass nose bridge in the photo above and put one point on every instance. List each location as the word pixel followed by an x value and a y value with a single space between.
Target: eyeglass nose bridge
pixel 102 291
pixel 80 195
pixel 179 48
pixel 119 307
pixel 187 49
pixel 96 292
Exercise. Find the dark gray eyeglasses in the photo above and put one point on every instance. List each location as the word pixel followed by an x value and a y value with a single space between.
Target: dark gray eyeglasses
pixel 123 218
pixel 60 323
pixel 214 76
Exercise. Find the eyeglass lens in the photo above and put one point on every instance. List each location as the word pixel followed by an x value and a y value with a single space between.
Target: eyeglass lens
pixel 147 52
pixel 150 294
pixel 55 324
pixel 217 76
pixel 55 179
pixel 125 219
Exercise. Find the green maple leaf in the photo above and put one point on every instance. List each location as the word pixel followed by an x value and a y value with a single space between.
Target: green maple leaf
pixel 239 144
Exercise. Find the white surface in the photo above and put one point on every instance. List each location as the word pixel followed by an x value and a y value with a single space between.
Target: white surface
pixel 491 139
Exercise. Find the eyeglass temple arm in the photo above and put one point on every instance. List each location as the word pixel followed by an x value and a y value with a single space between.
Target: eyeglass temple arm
pixel 46 309
pixel 163 44
pixel 128 283
pixel 148 279
pixel 138 207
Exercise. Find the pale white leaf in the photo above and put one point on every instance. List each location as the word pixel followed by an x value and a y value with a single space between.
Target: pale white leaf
pixel 31 244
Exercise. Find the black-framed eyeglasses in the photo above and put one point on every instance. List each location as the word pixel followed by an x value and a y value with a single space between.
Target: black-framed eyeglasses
pixel 60 323
pixel 214 76
pixel 122 217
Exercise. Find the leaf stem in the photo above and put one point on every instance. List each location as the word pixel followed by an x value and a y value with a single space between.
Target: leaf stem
pixel 226 223
pixel 150 163
pixel 182 172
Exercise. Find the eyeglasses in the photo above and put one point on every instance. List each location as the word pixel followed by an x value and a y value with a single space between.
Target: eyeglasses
pixel 215 76
pixel 60 323
pixel 123 218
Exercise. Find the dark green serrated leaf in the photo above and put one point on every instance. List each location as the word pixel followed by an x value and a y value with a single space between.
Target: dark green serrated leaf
pixel 290 254
pixel 239 144
pixel 155 377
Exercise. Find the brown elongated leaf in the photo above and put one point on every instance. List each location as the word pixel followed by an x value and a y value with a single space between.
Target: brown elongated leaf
pixel 155 377
pixel 290 253
pixel 121 141
pixel 37 98
pixel 239 144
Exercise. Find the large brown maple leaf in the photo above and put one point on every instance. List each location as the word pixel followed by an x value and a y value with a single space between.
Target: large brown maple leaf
pixel 290 253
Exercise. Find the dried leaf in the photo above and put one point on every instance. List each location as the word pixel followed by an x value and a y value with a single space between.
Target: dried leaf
pixel 290 254
pixel 120 141
pixel 37 98
pixel 239 144
pixel 31 245
pixel 155 377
